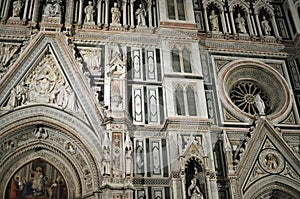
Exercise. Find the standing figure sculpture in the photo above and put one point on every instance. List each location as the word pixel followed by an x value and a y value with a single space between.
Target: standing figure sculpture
pixel 240 22
pixel 260 105
pixel 265 26
pixel 17 6
pixel 89 12
pixel 115 14
pixel 140 15
pixel 214 21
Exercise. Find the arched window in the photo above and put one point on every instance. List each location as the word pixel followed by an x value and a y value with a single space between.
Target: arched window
pixel 185 101
pixel 180 104
pixel 186 61
pixel 191 102
pixel 176 10
pixel 176 60
pixel 181 60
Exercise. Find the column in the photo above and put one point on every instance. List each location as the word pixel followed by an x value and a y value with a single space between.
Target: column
pixel 249 24
pixel 150 13
pixel 228 23
pixel 253 25
pixel 258 24
pixel 232 21
pixel 25 12
pixel 5 15
pixel 206 20
pixel 223 22
pixel 1 10
pixel 131 14
pixel 99 8
pixel 106 12
pixel 124 5
pixel 36 12
pixel 275 26
pixel 80 12
pixel 295 15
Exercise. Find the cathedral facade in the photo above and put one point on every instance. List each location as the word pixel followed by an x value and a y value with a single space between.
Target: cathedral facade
pixel 156 99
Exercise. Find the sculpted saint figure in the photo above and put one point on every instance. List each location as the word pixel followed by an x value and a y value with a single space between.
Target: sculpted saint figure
pixel 115 14
pixel 89 11
pixel 140 14
pixel 194 191
pixel 214 21
pixel 17 6
pixel 240 22
pixel 265 26
pixel 260 105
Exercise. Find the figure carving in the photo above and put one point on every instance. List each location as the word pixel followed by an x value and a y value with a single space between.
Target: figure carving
pixel 240 22
pixel 17 6
pixel 89 12
pixel 140 15
pixel 139 158
pixel 106 155
pixel 214 21
pixel 260 105
pixel 271 161
pixel 194 191
pixel 115 14
pixel 265 26
pixel 128 151
pixel 52 8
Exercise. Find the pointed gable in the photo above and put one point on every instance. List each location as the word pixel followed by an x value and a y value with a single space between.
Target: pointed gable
pixel 47 73
pixel 266 155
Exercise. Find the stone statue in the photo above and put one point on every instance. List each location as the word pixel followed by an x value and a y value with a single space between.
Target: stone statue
pixel 265 26
pixel 214 21
pixel 240 22
pixel 194 191
pixel 89 12
pixel 17 6
pixel 260 105
pixel 52 8
pixel 140 14
pixel 128 151
pixel 115 14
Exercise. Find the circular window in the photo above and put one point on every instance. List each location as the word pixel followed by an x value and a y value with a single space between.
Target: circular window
pixel 243 81
pixel 243 96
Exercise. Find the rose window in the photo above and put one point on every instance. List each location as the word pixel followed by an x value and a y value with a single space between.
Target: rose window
pixel 243 94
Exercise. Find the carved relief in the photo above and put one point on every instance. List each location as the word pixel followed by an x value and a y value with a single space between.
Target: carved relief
pixel 7 52
pixel 44 84
pixel 271 161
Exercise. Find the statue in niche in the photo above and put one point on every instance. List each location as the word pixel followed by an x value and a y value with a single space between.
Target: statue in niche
pixel 115 14
pixel 139 159
pixel 89 12
pixel 106 155
pixel 17 6
pixel 214 21
pixel 266 26
pixel 94 60
pixel 52 8
pixel 140 15
pixel 240 22
pixel 128 151
pixel 260 105
pixel 194 191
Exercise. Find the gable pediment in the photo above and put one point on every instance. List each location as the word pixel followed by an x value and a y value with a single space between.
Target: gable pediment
pixel 46 73
pixel 267 155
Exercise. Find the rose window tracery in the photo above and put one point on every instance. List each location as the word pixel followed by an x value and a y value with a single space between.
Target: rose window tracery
pixel 243 96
